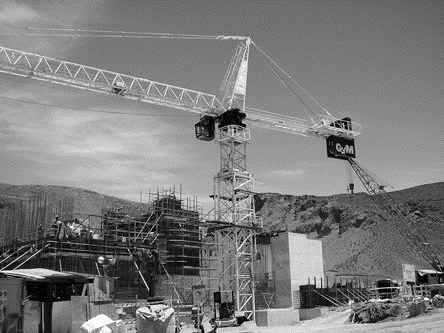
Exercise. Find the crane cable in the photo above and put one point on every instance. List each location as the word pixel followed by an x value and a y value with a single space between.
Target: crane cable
pixel 64 32
pixel 129 34
pixel 90 110
pixel 271 61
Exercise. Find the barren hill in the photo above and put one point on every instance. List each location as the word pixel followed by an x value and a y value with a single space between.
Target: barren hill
pixel 85 202
pixel 356 236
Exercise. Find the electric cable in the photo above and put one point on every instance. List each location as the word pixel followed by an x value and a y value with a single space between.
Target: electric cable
pixel 92 110
pixel 117 34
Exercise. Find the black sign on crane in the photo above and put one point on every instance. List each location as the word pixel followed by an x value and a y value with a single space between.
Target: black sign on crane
pixel 341 148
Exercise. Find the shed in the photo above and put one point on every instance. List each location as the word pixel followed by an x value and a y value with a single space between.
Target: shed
pixel 25 292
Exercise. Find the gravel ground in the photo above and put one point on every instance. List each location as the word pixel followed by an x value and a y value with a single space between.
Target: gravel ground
pixel 432 321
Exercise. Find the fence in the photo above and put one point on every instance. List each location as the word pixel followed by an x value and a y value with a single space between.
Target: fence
pixel 339 292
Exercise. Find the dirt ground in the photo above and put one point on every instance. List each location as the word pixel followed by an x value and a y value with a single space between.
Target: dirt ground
pixel 432 321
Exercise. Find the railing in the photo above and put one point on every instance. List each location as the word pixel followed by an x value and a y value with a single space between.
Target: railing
pixel 339 292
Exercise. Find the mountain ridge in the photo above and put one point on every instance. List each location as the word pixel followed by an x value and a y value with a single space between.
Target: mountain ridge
pixel 356 236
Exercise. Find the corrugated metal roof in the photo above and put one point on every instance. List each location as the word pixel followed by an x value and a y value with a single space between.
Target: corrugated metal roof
pixel 39 274
pixel 427 271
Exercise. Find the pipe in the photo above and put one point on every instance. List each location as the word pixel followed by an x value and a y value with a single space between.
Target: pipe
pixel 13 253
pixel 31 256
pixel 15 260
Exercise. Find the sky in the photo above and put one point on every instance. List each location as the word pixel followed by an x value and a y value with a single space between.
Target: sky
pixel 379 62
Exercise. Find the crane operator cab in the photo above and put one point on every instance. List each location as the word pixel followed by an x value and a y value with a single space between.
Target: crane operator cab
pixel 205 128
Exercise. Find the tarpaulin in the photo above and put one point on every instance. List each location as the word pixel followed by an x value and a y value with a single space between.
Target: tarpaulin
pixel 102 324
pixel 155 319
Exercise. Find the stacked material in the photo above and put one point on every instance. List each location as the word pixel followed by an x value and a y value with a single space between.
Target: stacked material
pixel 374 311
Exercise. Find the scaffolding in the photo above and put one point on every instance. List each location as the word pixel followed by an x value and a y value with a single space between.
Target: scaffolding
pixel 162 251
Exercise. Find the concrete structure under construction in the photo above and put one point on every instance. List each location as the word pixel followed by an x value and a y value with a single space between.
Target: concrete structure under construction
pixel 160 251
pixel 285 261
pixel 153 252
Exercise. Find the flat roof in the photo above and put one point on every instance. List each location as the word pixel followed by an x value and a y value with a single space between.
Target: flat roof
pixel 41 274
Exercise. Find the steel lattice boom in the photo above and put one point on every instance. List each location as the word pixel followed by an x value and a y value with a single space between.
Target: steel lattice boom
pixel 94 79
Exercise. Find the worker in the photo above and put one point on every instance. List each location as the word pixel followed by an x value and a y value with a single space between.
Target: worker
pixel 61 232
pixel 54 227
pixel 40 231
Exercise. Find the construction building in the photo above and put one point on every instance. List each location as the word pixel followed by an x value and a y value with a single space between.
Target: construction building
pixel 153 253
pixel 162 251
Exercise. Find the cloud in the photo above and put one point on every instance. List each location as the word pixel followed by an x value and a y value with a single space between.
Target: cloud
pixel 109 153
pixel 409 174
pixel 421 172
pixel 16 16
pixel 281 174
pixel 14 13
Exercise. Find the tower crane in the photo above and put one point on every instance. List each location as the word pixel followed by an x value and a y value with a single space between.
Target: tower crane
pixel 233 189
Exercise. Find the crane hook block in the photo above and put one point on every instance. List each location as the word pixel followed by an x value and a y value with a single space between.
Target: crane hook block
pixel 232 117
pixel 205 128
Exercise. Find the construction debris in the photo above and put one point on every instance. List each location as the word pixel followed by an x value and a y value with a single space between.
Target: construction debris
pixel 438 301
pixel 155 319
pixel 102 324
pixel 374 311
pixel 377 310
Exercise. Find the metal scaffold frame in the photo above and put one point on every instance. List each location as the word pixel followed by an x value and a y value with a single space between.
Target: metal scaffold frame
pixel 167 228
pixel 234 206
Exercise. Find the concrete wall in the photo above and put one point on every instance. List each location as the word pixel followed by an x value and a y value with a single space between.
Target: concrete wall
pixel 306 260
pixel 295 259
pixel 263 266
pixel 277 317
pixel 281 269
pixel 307 314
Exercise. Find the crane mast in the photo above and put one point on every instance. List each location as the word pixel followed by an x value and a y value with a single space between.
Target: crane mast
pixel 233 186
pixel 234 190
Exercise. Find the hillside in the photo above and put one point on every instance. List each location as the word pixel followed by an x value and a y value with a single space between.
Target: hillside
pixel 85 202
pixel 356 237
